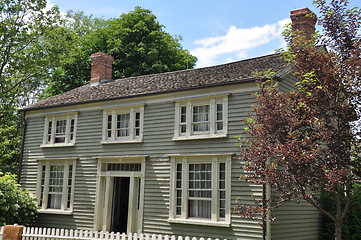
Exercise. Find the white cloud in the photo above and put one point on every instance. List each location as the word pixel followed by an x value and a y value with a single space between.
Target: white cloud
pixel 237 41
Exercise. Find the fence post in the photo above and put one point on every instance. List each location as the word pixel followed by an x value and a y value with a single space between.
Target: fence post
pixel 12 232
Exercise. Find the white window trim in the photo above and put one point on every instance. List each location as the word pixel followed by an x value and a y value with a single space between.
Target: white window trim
pixel 53 119
pixel 189 103
pixel 206 158
pixel 58 161
pixel 128 139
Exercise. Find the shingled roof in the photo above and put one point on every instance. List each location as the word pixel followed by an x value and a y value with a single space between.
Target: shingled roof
pixel 225 74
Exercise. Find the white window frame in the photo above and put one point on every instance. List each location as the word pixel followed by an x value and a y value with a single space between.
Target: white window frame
pixel 53 119
pixel 42 189
pixel 188 104
pixel 132 138
pixel 215 219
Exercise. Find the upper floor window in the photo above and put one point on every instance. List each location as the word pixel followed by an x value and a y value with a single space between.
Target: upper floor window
pixel 200 190
pixel 60 130
pixel 196 119
pixel 123 125
pixel 55 189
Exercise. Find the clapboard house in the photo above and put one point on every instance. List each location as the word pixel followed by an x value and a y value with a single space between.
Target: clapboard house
pixel 154 153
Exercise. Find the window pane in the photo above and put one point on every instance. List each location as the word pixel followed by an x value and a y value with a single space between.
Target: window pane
pixel 50 125
pixel 183 115
pixel 137 124
pixel 179 202
pixel 183 119
pixel 125 167
pixel 54 201
pixel 56 178
pixel 60 129
pixel 109 126
pixel 42 184
pixel 199 208
pixel 219 125
pixel 219 116
pixel 123 123
pixel 137 119
pixel 200 118
pixel 70 177
pixel 200 113
pixel 200 189
pixel 71 131
pixel 179 189
pixel 219 111
pixel 109 122
pixel 222 190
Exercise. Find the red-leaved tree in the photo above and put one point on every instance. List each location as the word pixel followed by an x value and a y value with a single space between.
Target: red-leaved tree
pixel 303 141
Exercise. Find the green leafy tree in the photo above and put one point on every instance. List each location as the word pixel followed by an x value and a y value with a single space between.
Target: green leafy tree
pixel 78 37
pixel 10 144
pixel 302 141
pixel 26 56
pixel 17 205
pixel 136 40
pixel 140 46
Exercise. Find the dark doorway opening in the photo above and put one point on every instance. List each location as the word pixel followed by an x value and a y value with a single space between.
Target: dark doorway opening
pixel 119 220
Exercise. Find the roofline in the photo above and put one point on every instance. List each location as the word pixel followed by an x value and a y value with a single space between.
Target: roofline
pixel 139 95
pixel 278 75
pixel 201 68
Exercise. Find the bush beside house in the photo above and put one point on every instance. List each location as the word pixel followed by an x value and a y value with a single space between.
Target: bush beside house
pixel 17 205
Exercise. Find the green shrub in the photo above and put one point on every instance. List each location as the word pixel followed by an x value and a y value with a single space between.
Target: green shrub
pixel 17 205
pixel 351 227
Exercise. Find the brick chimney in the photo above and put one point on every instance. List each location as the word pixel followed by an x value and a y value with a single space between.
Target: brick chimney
pixel 101 68
pixel 304 21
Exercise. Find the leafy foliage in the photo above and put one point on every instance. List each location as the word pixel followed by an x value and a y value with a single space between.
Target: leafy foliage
pixel 10 143
pixel 351 227
pixel 303 141
pixel 25 57
pixel 78 37
pixel 136 40
pixel 16 203
pixel 140 46
pixel 43 54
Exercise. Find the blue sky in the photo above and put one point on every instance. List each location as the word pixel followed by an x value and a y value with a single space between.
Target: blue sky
pixel 215 32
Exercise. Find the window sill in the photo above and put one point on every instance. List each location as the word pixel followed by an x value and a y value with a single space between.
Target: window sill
pixel 199 222
pixel 122 141
pixel 194 137
pixel 57 145
pixel 54 211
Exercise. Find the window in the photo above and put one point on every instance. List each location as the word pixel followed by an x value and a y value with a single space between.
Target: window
pixel 55 188
pixel 197 119
pixel 200 190
pixel 123 125
pixel 60 130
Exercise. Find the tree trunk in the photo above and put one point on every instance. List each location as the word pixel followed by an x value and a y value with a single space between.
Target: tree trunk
pixel 338 219
pixel 338 229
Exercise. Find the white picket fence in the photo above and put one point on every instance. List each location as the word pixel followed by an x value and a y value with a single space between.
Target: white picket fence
pixel 35 233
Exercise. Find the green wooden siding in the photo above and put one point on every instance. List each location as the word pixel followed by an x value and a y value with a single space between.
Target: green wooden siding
pixel 157 144
pixel 296 221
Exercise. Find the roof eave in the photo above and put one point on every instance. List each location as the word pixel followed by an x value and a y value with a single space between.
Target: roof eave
pixel 139 95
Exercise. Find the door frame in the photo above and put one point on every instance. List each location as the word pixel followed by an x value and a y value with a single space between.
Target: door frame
pixel 104 194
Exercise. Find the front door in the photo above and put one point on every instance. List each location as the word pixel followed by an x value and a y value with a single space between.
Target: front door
pixel 119 213
pixel 119 199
